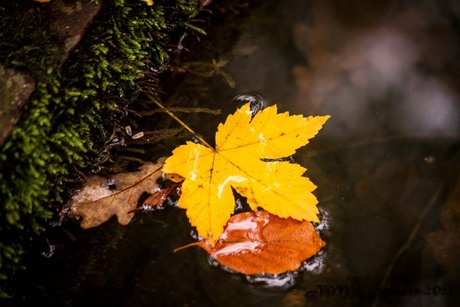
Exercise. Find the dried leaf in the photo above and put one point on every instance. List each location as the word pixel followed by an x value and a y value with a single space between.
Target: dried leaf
pixel 243 145
pixel 263 243
pixel 96 202
pixel 157 199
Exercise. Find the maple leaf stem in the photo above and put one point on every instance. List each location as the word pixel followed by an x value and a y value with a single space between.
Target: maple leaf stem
pixel 179 121
pixel 198 243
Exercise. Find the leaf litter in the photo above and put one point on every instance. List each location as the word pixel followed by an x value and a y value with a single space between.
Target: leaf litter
pixel 263 243
pixel 250 157
pixel 102 198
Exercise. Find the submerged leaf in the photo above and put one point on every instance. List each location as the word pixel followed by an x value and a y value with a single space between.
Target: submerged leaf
pixel 243 145
pixel 263 243
pixel 101 198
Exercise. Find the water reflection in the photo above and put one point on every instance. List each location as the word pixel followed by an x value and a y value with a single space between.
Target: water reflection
pixel 399 65
pixel 257 101
pixel 380 69
pixel 429 107
pixel 386 73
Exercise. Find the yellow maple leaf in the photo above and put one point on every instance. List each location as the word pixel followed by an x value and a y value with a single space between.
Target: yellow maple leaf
pixel 239 160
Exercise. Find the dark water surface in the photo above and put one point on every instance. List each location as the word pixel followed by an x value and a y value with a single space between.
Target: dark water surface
pixel 386 165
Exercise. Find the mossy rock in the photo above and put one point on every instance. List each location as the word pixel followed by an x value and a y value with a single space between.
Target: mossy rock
pixel 69 116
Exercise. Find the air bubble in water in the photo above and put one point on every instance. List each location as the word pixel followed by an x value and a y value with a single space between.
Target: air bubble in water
pixel 128 130
pixel 257 101
pixel 138 135
pixel 315 264
pixel 323 225
pixel 50 251
pixel 280 281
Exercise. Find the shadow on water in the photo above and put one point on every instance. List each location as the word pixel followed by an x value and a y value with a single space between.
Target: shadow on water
pixel 386 165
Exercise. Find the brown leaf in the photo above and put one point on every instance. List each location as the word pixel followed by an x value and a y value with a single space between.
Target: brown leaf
pixel 260 242
pixel 157 199
pixel 96 202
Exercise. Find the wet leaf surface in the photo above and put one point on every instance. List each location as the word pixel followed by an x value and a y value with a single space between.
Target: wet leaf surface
pixel 242 144
pixel 263 243
pixel 101 198
pixel 158 198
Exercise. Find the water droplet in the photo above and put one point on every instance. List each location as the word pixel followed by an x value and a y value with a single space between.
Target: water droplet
pixel 281 281
pixel 323 224
pixel 429 159
pixel 138 135
pixel 314 264
pixel 238 205
pixel 111 184
pixel 128 130
pixel 195 236
pixel 212 262
pixel 50 252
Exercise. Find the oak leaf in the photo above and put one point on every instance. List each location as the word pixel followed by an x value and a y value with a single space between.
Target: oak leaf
pixel 101 198
pixel 245 159
pixel 263 243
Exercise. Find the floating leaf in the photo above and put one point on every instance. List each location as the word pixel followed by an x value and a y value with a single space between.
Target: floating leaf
pixel 101 198
pixel 244 159
pixel 263 243
pixel 158 198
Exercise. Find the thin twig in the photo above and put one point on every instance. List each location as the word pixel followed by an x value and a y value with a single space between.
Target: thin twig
pixel 179 121
pixel 383 139
pixel 407 244
pixel 183 110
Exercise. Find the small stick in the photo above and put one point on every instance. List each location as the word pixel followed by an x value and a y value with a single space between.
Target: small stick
pixel 408 243
pixel 179 121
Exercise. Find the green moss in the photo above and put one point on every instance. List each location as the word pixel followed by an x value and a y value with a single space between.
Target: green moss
pixel 67 119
